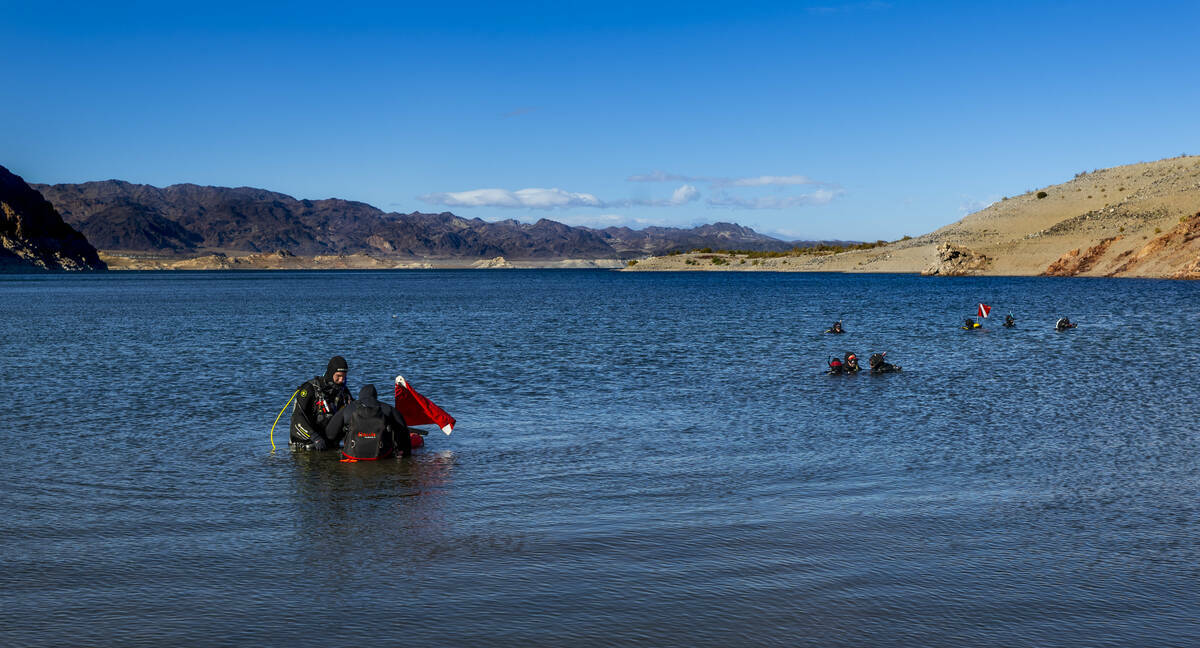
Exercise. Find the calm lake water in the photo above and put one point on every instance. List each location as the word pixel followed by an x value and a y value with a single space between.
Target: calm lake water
pixel 647 459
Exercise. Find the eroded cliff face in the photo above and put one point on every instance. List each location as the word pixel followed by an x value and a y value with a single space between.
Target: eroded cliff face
pixel 1174 254
pixel 33 235
pixel 1075 262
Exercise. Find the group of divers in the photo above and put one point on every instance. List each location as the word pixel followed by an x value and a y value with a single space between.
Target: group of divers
pixel 848 364
pixel 327 417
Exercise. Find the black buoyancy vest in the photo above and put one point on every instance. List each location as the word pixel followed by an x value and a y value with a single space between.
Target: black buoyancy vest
pixel 369 436
pixel 328 398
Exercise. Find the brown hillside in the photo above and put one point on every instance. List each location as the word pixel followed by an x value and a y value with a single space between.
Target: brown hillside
pixel 1138 220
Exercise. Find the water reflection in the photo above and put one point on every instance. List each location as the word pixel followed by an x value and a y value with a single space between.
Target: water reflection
pixel 387 505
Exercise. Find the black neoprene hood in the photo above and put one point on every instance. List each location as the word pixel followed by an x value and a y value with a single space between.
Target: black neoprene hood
pixel 336 364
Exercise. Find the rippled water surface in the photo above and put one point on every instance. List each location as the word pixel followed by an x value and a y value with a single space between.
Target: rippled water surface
pixel 640 458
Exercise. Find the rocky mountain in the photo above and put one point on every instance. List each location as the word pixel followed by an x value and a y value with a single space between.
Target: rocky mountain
pixel 33 234
pixel 657 240
pixel 189 220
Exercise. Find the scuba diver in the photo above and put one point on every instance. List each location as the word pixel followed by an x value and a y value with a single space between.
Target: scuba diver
pixel 1009 322
pixel 836 328
pixel 1063 324
pixel 373 430
pixel 316 402
pixel 838 367
pixel 878 366
pixel 970 325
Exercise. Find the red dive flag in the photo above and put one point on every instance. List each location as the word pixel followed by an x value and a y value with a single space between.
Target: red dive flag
pixel 984 309
pixel 418 410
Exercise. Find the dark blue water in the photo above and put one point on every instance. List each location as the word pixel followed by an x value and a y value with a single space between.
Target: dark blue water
pixel 640 458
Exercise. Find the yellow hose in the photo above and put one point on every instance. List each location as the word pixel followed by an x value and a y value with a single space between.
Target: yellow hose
pixel 277 419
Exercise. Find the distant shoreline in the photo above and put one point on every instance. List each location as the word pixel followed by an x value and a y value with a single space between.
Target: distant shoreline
pixel 118 261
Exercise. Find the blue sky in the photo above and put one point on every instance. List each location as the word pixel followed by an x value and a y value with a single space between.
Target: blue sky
pixel 853 120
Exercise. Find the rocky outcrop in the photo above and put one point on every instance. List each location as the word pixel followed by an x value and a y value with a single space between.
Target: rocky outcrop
pixel 33 235
pixel 1074 263
pixel 955 261
pixel 493 264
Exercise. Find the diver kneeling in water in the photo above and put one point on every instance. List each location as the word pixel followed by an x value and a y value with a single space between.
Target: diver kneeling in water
pixel 1009 322
pixel 878 366
pixel 1063 324
pixel 316 402
pixel 836 328
pixel 373 430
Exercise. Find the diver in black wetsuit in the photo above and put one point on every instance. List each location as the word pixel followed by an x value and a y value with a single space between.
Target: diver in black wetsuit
pixel 1009 322
pixel 835 367
pixel 836 328
pixel 970 325
pixel 316 402
pixel 1063 324
pixel 373 430
pixel 878 366
pixel 851 364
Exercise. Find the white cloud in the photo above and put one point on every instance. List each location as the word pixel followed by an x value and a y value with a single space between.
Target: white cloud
pixel 529 198
pixel 685 194
pixel 818 197
pixel 551 199
pixel 752 181
pixel 772 181
pixel 610 220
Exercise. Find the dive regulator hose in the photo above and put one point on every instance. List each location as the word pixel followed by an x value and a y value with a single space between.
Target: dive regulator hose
pixel 285 406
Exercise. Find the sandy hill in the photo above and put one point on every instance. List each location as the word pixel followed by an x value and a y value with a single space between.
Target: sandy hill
pixel 1138 220
pixel 1134 220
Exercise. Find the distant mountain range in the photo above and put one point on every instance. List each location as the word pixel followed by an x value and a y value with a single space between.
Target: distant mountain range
pixel 187 220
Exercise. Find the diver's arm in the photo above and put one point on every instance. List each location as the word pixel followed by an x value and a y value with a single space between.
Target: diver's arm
pixel 403 440
pixel 333 429
pixel 302 425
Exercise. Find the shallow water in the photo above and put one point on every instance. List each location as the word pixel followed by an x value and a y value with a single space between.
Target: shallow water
pixel 640 458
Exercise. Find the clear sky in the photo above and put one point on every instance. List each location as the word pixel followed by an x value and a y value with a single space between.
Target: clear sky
pixel 853 120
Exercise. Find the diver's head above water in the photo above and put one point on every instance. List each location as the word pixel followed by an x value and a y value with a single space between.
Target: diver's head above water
pixel 336 370
pixel 368 395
